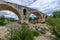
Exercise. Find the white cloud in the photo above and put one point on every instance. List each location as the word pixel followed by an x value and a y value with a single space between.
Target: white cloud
pixel 8 14
pixel 21 2
pixel 32 15
pixel 42 5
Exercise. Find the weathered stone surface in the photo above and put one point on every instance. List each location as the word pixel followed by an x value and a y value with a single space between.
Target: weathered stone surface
pixel 21 11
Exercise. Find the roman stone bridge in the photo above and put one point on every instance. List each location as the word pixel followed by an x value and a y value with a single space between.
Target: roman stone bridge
pixel 22 12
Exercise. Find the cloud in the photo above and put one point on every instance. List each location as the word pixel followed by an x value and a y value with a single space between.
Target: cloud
pixel 32 15
pixel 21 2
pixel 26 2
pixel 8 14
pixel 44 6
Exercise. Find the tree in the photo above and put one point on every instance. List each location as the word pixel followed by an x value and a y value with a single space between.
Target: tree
pixel 56 14
pixel 30 18
pixel 2 20
pixel 35 18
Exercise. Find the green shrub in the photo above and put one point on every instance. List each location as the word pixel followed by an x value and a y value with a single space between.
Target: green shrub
pixel 36 33
pixel 56 14
pixel 22 33
pixel 56 30
pixel 2 21
pixel 56 38
pixel 55 23
pixel 0 39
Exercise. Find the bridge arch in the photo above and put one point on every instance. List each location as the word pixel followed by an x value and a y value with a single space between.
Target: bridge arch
pixel 7 7
pixel 38 15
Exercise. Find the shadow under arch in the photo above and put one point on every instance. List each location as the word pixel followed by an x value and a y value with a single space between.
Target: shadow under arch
pixel 38 15
pixel 7 7
pixel 24 11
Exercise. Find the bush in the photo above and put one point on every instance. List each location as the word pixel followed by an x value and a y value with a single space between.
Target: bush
pixel 55 23
pixel 22 33
pixel 56 14
pixel 36 33
pixel 2 21
pixel 0 39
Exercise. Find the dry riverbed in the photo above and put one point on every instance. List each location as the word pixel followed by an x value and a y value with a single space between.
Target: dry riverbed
pixel 5 29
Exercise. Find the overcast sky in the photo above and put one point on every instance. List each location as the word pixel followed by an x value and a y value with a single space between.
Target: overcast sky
pixel 8 14
pixel 42 5
pixel 45 6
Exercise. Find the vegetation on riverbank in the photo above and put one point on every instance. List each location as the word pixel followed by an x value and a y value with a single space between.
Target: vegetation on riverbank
pixel 22 33
pixel 54 22
pixel 2 21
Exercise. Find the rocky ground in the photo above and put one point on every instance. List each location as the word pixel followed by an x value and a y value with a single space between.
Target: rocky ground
pixel 4 30
pixel 42 38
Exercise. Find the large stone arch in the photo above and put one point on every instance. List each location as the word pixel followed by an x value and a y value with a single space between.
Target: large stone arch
pixel 39 16
pixel 7 7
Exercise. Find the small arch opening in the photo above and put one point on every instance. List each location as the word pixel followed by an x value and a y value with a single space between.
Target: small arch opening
pixel 24 11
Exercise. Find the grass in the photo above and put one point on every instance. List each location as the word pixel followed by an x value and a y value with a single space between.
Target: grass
pixel 55 23
pixel 22 33
pixel 36 33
